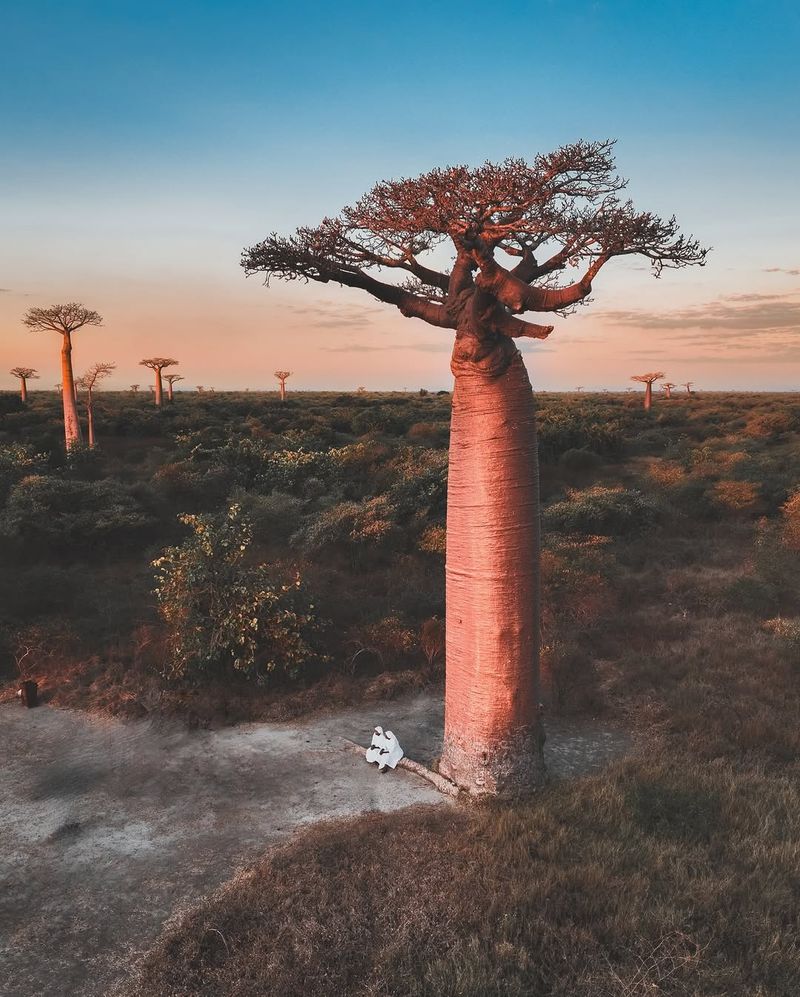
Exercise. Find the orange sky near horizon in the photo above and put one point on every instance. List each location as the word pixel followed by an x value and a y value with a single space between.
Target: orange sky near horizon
pixel 233 333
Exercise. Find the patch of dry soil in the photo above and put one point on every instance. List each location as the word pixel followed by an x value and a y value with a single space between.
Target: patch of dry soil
pixel 108 828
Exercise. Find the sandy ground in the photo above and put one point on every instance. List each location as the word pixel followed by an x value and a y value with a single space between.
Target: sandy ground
pixel 108 828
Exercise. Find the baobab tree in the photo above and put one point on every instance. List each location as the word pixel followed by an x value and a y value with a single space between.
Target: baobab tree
pixel 65 319
pixel 648 380
pixel 200 389
pixel 134 389
pixel 88 382
pixel 171 379
pixel 513 227
pixel 282 375
pixel 667 387
pixel 157 364
pixel 24 374
pixel 579 388
pixel 688 385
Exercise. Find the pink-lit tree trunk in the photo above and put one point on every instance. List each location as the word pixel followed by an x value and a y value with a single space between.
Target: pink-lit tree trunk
pixel 72 426
pixel 493 733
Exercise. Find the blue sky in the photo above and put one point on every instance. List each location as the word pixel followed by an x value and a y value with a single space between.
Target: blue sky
pixel 144 144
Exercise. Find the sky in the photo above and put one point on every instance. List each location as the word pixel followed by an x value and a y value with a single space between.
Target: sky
pixel 143 145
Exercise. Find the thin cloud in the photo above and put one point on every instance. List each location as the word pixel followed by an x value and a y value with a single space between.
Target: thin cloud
pixel 737 314
pixel 793 272
pixel 334 316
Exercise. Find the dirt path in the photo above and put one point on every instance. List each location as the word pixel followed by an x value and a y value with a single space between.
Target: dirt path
pixel 108 828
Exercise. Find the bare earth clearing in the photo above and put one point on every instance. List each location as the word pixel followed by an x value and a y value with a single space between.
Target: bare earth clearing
pixel 109 828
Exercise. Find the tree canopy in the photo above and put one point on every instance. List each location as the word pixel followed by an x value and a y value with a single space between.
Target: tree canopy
pixel 61 318
pixel 526 237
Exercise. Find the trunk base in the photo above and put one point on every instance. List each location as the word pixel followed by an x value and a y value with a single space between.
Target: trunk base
pixel 504 769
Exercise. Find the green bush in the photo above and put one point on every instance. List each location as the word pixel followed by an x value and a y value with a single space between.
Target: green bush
pixel 602 511
pixel 60 513
pixel 223 613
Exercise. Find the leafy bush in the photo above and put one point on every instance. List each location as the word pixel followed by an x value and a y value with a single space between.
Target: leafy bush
pixel 579 459
pixel 751 595
pixel 603 511
pixel 223 613
pixel 369 522
pixel 60 513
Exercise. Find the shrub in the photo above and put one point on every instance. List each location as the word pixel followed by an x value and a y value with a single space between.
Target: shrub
pixel 785 629
pixel 737 496
pixel 223 613
pixel 579 459
pixel 603 511
pixel 751 595
pixel 60 513
pixel 791 521
pixel 369 522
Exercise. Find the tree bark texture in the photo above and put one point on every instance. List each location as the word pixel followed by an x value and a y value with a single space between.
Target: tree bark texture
pixel 72 426
pixel 23 389
pixel 90 417
pixel 648 396
pixel 493 733
pixel 159 388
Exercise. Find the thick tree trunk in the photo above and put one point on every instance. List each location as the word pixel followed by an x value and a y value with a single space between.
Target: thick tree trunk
pixel 72 426
pixel 648 397
pixel 170 392
pixel 493 735
pixel 159 389
pixel 23 389
pixel 283 391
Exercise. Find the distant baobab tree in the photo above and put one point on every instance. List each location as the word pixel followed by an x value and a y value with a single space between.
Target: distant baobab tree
pixel 57 387
pixel 565 207
pixel 667 387
pixel 24 374
pixel 647 380
pixel 88 382
pixel 171 379
pixel 361 389
pixel 579 388
pixel 282 375
pixel 688 385
pixel 65 319
pixel 135 389
pixel 157 364
pixel 200 388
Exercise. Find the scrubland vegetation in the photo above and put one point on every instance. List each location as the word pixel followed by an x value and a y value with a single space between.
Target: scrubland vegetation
pixel 316 528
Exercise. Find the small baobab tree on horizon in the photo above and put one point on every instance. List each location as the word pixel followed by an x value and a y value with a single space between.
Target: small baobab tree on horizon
pixel 200 389
pixel 648 380
pixel 171 379
pixel 24 374
pixel 157 364
pixel 282 375
pixel 134 389
pixel 511 228
pixel 88 382
pixel 667 387
pixel 65 319
pixel 688 385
